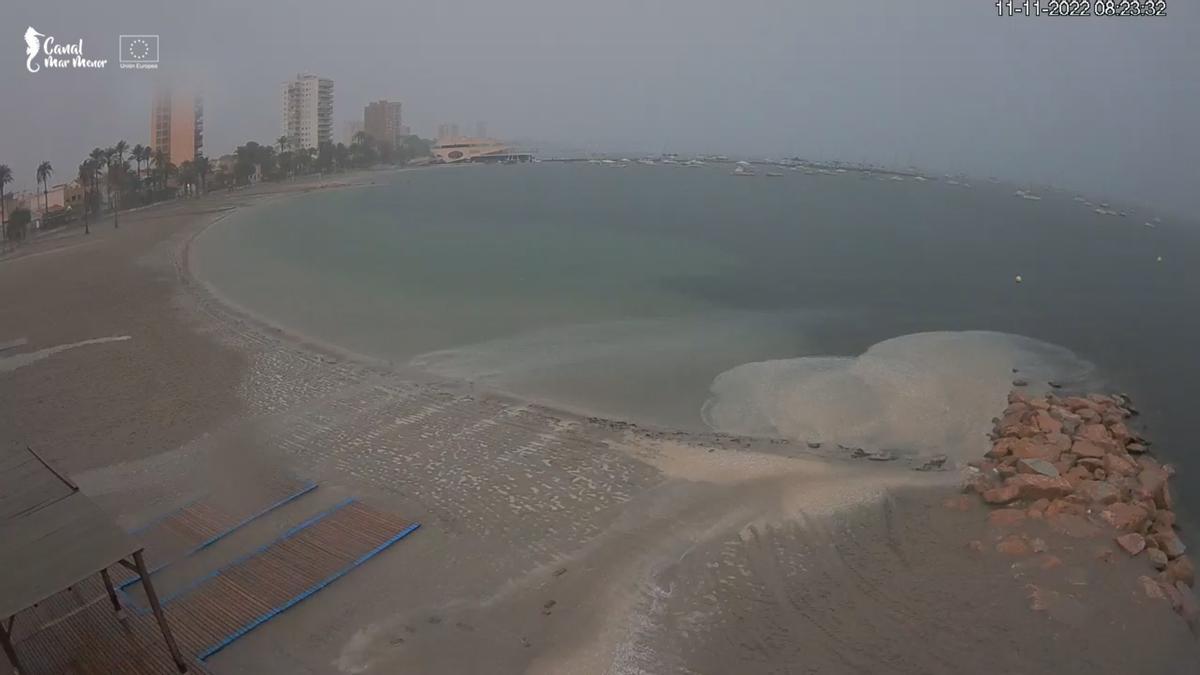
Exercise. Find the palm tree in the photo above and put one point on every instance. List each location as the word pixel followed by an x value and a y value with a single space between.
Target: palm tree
pixel 120 149
pixel 202 166
pixel 86 172
pixel 136 155
pixel 5 179
pixel 44 171
pixel 160 163
pixel 283 143
pixel 98 160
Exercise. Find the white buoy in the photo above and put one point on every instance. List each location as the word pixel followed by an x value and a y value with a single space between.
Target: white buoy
pixel 1160 258
pixel 1018 279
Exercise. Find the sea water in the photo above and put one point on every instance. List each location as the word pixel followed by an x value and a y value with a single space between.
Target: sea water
pixel 842 308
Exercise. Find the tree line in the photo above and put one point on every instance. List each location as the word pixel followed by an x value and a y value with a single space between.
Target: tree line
pixel 109 182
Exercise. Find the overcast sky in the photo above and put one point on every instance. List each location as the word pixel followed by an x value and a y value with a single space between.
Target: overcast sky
pixel 1110 106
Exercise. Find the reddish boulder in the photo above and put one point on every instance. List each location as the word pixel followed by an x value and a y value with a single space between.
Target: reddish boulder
pixel 1132 543
pixel 1117 465
pixel 1157 558
pixel 1006 517
pixel 1087 449
pixel 1001 495
pixel 1170 543
pixel 1036 486
pixel 1182 569
pixel 1164 499
pixel 1076 403
pixel 1046 423
pixel 1125 517
pixel 1120 432
pixel 1136 448
pixel 1151 482
pixel 1151 588
pixel 1035 448
pixel 1164 520
pixel 1096 433
pixel 1097 491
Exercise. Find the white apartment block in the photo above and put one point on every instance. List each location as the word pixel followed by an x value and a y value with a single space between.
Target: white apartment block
pixel 308 111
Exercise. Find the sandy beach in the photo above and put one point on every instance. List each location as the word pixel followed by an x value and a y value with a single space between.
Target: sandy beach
pixel 550 542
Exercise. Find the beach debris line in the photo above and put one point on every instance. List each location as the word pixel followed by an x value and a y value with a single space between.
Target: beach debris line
pixel 1073 463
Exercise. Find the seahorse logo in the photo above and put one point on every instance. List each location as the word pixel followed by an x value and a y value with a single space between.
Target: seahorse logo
pixel 33 44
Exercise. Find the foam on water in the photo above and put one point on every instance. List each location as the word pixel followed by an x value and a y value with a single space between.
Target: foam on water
pixel 926 392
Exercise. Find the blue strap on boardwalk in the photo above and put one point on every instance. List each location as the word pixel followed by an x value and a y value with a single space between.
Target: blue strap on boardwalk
pixel 286 535
pixel 299 598
pixel 307 488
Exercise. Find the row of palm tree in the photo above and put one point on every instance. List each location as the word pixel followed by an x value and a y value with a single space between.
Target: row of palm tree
pixel 151 177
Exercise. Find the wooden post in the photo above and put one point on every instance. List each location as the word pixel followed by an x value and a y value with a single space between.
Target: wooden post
pixel 9 651
pixel 140 562
pixel 112 592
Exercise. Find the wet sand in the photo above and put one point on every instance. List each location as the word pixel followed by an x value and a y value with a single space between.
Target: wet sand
pixel 550 543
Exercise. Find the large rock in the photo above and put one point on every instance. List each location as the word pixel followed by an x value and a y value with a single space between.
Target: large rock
pixel 1121 433
pixel 1151 481
pixel 1098 491
pixel 1151 588
pixel 1060 441
pixel 1035 448
pixel 1182 569
pixel 1037 466
pixel 1036 486
pixel 1170 543
pixel 1157 558
pixel 1132 543
pixel 1117 465
pixel 1125 517
pixel 1089 449
pixel 1046 422
pixel 1001 495
pixel 1164 519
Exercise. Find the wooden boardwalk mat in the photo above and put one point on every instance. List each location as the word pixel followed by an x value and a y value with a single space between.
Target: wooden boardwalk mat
pixel 224 606
pixel 216 610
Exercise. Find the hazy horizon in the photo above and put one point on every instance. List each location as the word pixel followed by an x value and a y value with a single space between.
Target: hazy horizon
pixel 1104 106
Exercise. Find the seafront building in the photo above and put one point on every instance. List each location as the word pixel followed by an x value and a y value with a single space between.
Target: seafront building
pixel 382 121
pixel 307 106
pixel 177 124
pixel 459 149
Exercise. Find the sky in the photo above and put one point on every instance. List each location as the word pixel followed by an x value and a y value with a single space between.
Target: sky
pixel 1108 106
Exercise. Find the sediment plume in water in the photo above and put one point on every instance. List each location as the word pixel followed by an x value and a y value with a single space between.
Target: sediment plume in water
pixel 925 393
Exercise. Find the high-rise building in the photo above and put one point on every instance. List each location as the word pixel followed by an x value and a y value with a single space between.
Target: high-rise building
pixel 308 111
pixel 177 124
pixel 381 121
pixel 481 130
pixel 447 131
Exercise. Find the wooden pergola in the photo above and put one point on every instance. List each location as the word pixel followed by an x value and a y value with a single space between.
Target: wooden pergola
pixel 52 537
